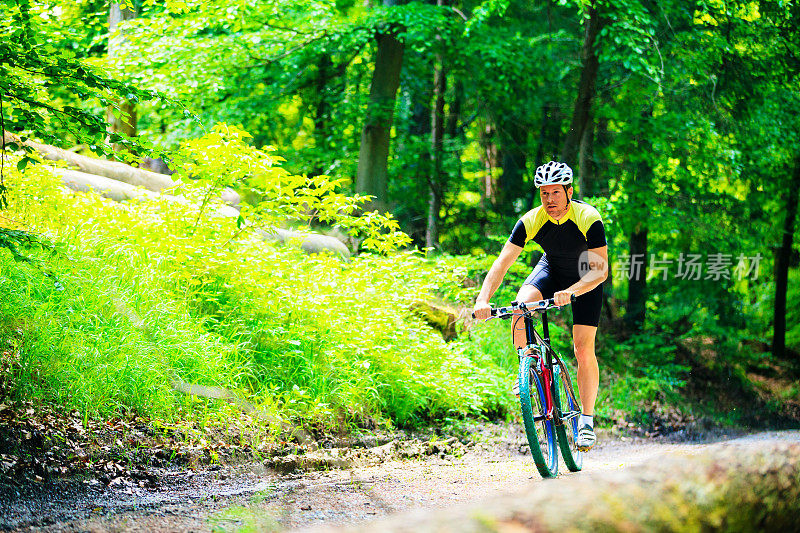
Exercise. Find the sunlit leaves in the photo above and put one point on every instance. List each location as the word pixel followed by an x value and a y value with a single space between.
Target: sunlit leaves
pixel 223 158
pixel 35 74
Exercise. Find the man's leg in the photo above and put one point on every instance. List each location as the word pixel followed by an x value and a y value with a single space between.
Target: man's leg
pixel 527 293
pixel 588 383
pixel 588 371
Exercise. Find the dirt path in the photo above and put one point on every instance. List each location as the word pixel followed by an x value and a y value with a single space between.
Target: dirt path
pixel 253 498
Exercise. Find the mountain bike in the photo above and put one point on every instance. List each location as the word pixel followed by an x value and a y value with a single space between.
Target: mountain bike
pixel 550 409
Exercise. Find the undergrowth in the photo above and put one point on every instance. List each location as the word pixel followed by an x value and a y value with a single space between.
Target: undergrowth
pixel 140 297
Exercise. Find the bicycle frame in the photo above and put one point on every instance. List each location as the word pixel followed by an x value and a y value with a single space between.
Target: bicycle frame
pixel 538 347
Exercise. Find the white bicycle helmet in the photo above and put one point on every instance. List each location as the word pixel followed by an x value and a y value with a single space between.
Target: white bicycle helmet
pixel 553 173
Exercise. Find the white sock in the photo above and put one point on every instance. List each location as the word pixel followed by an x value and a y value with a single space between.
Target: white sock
pixel 586 419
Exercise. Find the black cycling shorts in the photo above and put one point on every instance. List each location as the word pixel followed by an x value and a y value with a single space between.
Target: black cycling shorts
pixel 585 309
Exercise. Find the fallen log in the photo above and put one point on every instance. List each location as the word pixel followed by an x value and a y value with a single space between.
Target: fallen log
pixel 121 192
pixel 311 243
pixel 753 486
pixel 120 182
pixel 100 167
pixel 151 181
pixel 105 187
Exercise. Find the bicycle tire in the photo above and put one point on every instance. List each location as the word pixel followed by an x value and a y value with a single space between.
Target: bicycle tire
pixel 541 435
pixel 568 431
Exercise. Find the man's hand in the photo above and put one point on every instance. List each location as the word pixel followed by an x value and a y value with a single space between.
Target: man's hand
pixel 562 298
pixel 482 310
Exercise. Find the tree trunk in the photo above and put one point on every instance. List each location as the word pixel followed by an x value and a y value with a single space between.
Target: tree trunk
pixel 638 190
pixel 513 161
pixel 122 117
pixel 549 135
pixel 601 142
pixel 586 89
pixel 436 183
pixel 727 487
pixel 452 130
pixel 322 112
pixel 637 284
pixel 782 265
pixel 490 157
pixel 432 231
pixel 586 162
pixel 418 167
pixel 454 110
pixel 373 156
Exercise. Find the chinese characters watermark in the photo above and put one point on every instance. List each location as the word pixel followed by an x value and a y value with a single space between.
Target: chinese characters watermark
pixel 714 266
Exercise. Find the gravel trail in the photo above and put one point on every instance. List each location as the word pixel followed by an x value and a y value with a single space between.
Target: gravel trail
pixel 254 498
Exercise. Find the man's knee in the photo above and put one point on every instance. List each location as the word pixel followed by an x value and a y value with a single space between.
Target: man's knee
pixel 584 351
pixel 583 339
pixel 528 293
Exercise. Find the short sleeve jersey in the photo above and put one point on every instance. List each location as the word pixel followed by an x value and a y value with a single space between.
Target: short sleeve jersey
pixel 563 240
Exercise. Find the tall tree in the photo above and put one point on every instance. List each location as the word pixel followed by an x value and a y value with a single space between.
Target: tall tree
pixel 637 244
pixel 322 112
pixel 371 177
pixel 490 159
pixel 437 179
pixel 121 117
pixel 514 161
pixel 782 261
pixel 586 162
pixel 582 113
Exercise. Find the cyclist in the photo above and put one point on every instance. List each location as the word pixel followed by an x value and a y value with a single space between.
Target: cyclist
pixel 575 261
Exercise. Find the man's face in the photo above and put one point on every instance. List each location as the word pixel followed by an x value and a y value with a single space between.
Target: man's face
pixel 554 199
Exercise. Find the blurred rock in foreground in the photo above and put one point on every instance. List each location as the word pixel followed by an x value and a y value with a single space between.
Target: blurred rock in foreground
pixel 749 486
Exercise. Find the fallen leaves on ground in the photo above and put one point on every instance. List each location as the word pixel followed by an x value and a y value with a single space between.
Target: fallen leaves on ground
pixel 38 443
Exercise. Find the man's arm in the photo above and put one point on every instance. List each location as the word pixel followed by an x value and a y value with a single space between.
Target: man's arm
pixel 508 255
pixel 596 274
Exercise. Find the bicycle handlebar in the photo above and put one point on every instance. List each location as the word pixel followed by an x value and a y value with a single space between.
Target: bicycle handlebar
pixel 541 305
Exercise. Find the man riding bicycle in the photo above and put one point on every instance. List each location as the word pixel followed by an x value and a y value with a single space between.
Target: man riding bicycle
pixel 575 262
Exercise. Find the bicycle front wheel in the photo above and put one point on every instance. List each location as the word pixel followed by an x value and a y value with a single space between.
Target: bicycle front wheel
pixel 538 428
pixel 567 432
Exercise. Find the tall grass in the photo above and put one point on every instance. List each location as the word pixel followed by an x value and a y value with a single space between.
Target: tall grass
pixel 139 296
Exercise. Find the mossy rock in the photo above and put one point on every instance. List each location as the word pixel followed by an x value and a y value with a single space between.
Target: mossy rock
pixel 438 316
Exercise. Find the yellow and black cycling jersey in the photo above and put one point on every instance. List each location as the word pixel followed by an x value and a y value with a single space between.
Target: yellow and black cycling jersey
pixel 563 240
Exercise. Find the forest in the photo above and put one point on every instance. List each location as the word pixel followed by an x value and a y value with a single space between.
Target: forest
pixel 403 136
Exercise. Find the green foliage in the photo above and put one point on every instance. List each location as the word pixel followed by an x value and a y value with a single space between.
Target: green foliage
pixel 33 72
pixel 156 292
pixel 13 240
pixel 48 93
pixel 655 377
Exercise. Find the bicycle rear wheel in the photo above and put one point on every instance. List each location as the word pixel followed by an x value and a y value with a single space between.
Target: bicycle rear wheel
pixel 568 431
pixel 538 429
